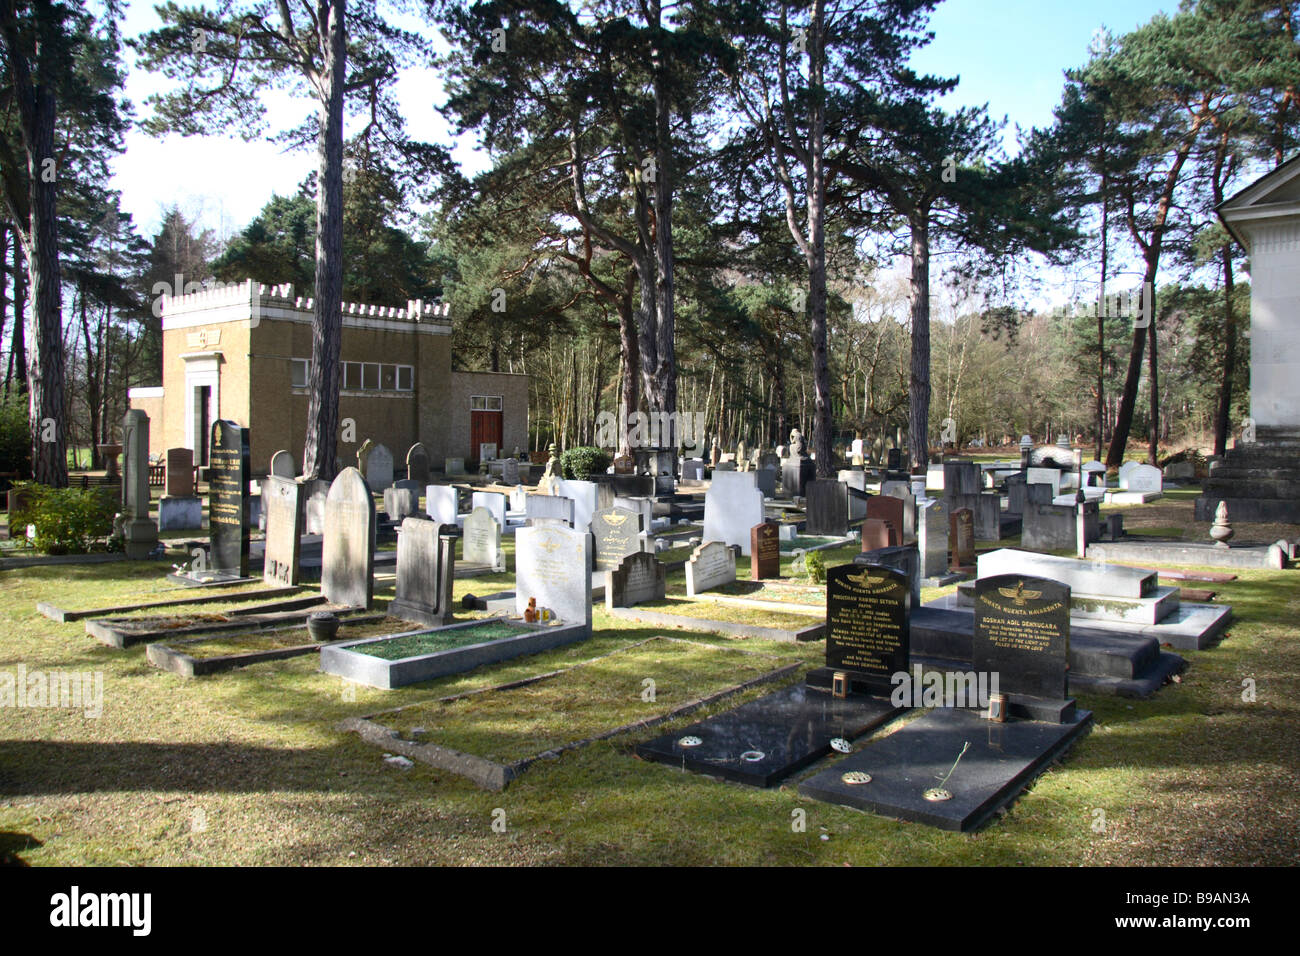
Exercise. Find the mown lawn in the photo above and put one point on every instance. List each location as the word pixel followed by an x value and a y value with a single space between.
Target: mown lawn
pixel 248 767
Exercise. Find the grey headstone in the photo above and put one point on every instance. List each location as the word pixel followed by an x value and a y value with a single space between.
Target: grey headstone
pixel 585 495
pixel 426 563
pixel 348 551
pixel 493 501
pixel 732 506
pixel 140 531
pixel 549 508
pixel 639 578
pixel 711 565
pixel 553 565
pixel 827 507
pixel 510 471
pixel 1144 478
pixel 282 504
pixel 932 537
pixel 282 465
pixel 377 467
pixel 417 464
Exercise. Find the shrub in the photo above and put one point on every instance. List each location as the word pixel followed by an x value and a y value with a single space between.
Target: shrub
pixel 584 461
pixel 15 438
pixel 815 565
pixel 67 520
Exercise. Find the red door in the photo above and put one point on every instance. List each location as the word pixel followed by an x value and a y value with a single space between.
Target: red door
pixel 484 427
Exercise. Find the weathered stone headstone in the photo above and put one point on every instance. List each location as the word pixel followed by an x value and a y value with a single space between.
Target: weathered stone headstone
pixel 827 507
pixel 453 466
pixel 765 479
pixel 510 471
pixel 442 503
pixel 642 506
pixel 282 504
pixel 1143 478
pixel 1022 634
pixel 616 532
pixel 228 467
pixel 961 537
pixel 553 565
pixel 711 565
pixel 482 540
pixel 639 578
pixel 903 492
pixel 585 495
pixel 932 538
pixel 426 565
pixel 518 498
pixel 140 531
pixel 282 465
pixel 348 551
pixel 402 498
pixel 1045 476
pixel 693 469
pixel 765 551
pixel 179 481
pixel 732 506
pixel 867 635
pixel 417 464
pixel 549 509
pixel 376 466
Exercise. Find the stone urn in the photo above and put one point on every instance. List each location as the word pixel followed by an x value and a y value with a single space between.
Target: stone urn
pixel 322 626
pixel 1221 531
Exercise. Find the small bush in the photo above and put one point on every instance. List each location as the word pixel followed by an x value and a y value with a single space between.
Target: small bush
pixel 815 565
pixel 584 461
pixel 67 520
pixel 15 438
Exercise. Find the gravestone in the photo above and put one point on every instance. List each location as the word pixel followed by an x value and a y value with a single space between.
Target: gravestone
pixel 765 480
pixel 932 538
pixel 282 504
pixel 377 467
pixel 518 498
pixel 442 503
pixel 894 459
pixel 493 501
pixel 1017 493
pixel 827 507
pixel 282 465
pixel 867 636
pixel 856 480
pixel 631 486
pixel 315 523
pixel 711 565
pixel 639 578
pixel 616 532
pixel 510 471
pixel 903 492
pixel 732 506
pixel 417 464
pixel 482 540
pixel 139 530
pixel 585 495
pixel 1124 471
pixel 228 466
pixel 764 551
pixel 645 507
pixel 796 472
pixel 401 499
pixel 693 469
pixel 1022 634
pixel 902 558
pixel 179 482
pixel 453 466
pixel 887 508
pixel 549 509
pixel 961 537
pixel 878 533
pixel 348 551
pixel 1045 476
pixel 553 565
pixel 426 565
pixel 1094 474
pixel 1143 478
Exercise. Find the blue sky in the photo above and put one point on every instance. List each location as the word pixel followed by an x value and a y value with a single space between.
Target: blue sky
pixel 1009 54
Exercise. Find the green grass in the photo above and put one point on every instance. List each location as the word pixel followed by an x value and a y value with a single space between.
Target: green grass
pixel 249 767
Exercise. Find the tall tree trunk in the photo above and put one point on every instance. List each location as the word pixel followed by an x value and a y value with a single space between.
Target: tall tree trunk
pixel 666 368
pixel 647 314
pixel 1153 430
pixel 823 421
pixel 918 415
pixel 17 372
pixel 1101 321
pixel 320 452
pixel 1128 397
pixel 629 360
pixel 4 275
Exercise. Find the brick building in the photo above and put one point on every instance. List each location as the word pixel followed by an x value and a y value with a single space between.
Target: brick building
pixel 241 352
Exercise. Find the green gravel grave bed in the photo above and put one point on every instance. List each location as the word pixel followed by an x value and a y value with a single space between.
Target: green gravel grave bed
pixel 430 642
pixel 705 610
pixel 805 542
pixel 581 702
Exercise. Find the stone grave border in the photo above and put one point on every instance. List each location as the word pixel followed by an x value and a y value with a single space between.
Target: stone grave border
pixel 64 616
pixel 116 631
pixel 172 657
pixel 491 775
pixel 340 659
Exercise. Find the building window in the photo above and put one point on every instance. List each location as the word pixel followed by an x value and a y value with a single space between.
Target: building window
pixel 298 370
pixel 405 378
pixel 370 376
pixel 375 377
pixel 485 403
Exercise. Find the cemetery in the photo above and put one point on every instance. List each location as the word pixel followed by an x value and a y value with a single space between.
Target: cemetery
pixel 745 543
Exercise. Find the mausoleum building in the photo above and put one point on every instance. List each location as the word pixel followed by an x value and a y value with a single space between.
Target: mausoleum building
pixel 241 353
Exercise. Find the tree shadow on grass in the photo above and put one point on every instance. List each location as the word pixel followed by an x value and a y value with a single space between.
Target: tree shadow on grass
pixel 12 844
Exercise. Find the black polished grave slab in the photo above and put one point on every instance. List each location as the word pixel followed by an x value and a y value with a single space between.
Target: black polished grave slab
pixel 1022 633
pixel 766 740
pixel 228 465
pixel 1001 762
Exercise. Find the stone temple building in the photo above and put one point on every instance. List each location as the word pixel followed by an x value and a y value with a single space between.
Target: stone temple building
pixel 241 353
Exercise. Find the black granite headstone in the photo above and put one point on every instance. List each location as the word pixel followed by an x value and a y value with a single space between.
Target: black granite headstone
pixel 228 465
pixel 867 608
pixel 827 507
pixel 1022 634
